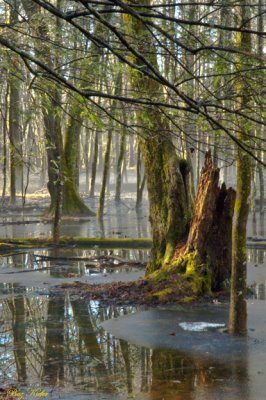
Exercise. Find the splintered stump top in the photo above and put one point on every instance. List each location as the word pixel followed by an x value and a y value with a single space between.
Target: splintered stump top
pixel 210 233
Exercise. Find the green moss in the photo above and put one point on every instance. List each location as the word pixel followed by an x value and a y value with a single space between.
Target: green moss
pixel 169 252
pixel 72 203
pixel 163 295
pixel 110 243
pixel 187 274
pixel 188 299
pixel 198 274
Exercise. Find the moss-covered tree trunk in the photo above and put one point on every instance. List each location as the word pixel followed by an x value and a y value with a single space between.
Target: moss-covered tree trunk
pixel 141 181
pixel 16 157
pixel 54 143
pixel 238 310
pixel 105 173
pixel 72 203
pixel 62 160
pixel 170 206
pixel 169 194
pixel 94 163
pixel 168 200
pixel 121 157
pixel 51 110
pixel 16 163
pixel 202 261
pixel 106 167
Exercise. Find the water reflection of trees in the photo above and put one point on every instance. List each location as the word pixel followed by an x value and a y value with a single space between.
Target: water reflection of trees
pixel 180 376
pixel 57 340
pixel 257 257
pixel 53 359
pixel 17 309
pixel 64 265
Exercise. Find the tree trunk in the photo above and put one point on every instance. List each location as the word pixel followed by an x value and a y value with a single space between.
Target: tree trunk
pixel 105 173
pixel 4 168
pixel 106 167
pixel 72 202
pixel 54 143
pixel 238 311
pixel 202 261
pixel 121 157
pixel 16 158
pixel 169 203
pixel 210 234
pixel 94 164
pixel 261 185
pixel 167 175
pixel 140 181
pixel 87 160
pixel 16 163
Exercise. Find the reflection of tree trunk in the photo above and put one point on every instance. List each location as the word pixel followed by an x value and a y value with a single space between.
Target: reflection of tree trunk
pixel 177 375
pixel 17 308
pixel 145 356
pixel 169 367
pixel 125 349
pixel 88 336
pixel 86 329
pixel 53 366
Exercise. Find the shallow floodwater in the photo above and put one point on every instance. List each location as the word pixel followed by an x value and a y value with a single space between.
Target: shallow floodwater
pixel 120 220
pixel 60 346
pixel 56 345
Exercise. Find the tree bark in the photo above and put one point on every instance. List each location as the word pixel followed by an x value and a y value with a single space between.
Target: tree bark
pixel 210 234
pixel 121 157
pixel 105 173
pixel 167 175
pixel 238 307
pixel 72 202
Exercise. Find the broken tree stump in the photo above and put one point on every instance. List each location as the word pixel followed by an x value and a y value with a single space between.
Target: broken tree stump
pixel 209 240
